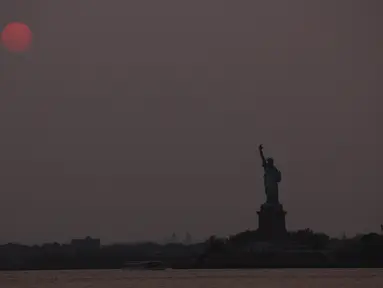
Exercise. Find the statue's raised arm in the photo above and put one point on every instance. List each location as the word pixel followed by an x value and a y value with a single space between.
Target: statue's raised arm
pixel 262 155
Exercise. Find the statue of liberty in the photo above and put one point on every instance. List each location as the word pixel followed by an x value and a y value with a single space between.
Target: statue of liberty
pixel 272 178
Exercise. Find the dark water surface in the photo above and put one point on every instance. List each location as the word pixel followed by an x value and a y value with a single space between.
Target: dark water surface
pixel 323 278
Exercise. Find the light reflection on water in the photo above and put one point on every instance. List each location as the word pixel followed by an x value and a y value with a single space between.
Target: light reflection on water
pixel 326 278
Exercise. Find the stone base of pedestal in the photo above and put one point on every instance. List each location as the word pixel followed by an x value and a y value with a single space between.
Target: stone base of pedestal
pixel 271 222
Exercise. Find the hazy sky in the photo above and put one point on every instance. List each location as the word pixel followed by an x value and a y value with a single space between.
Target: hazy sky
pixel 130 120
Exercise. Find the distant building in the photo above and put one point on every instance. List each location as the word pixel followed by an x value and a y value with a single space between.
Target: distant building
pixel 174 238
pixel 86 244
pixel 188 239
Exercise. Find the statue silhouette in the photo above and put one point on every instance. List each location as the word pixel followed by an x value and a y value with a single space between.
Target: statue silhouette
pixel 272 178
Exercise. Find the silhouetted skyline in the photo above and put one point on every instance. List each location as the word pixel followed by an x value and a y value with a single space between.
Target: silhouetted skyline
pixel 131 120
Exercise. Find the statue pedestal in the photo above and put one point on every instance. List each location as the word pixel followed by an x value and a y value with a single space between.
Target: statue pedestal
pixel 271 222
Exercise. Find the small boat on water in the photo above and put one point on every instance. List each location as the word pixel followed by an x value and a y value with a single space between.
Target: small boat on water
pixel 144 265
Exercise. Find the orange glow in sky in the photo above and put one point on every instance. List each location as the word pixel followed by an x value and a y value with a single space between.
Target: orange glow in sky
pixel 16 37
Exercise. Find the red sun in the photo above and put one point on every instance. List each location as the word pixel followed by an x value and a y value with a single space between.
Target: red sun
pixel 16 37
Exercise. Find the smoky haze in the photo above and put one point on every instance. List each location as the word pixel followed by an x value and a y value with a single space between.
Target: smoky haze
pixel 131 120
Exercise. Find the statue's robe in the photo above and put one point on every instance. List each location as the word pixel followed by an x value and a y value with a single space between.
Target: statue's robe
pixel 272 177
